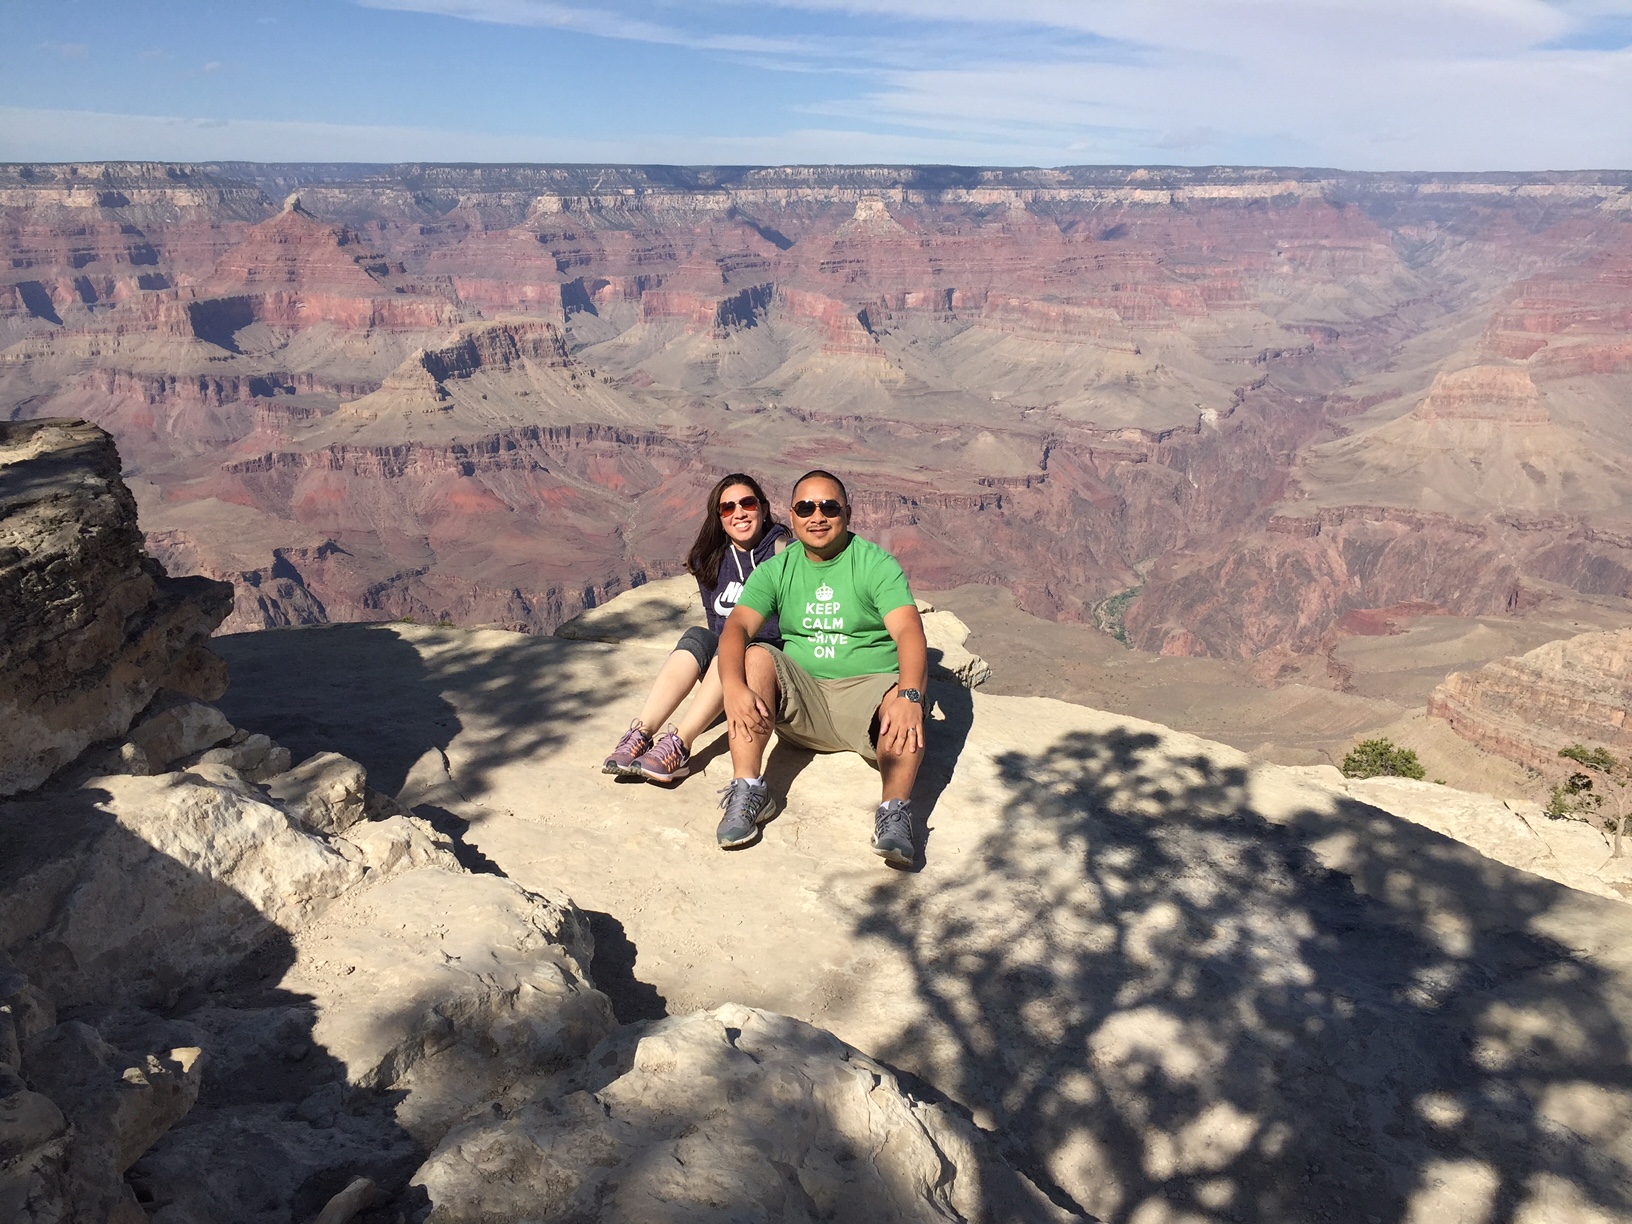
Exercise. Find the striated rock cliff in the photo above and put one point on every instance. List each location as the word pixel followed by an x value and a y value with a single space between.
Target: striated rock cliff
pixel 1576 691
pixel 1077 382
pixel 90 627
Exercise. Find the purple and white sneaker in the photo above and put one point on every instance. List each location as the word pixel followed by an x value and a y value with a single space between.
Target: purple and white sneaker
pixel 635 741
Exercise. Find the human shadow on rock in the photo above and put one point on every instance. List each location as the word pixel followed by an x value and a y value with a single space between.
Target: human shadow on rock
pixel 614 972
pixel 1173 1006
pixel 154 956
pixel 385 695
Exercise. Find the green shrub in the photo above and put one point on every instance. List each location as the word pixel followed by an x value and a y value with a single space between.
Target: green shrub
pixel 1381 758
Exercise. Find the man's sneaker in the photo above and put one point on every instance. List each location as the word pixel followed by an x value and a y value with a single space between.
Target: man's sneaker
pixel 892 833
pixel 634 742
pixel 747 806
pixel 667 760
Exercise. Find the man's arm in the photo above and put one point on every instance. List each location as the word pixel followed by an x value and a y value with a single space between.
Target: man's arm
pixel 744 710
pixel 901 722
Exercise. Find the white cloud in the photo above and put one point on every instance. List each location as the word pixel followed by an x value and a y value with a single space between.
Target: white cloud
pixel 30 134
pixel 1446 84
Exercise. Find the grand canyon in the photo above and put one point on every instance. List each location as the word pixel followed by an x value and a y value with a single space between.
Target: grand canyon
pixel 1239 415
pixel 341 514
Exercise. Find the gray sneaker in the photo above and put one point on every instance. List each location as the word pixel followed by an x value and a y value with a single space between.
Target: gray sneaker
pixel 892 833
pixel 747 806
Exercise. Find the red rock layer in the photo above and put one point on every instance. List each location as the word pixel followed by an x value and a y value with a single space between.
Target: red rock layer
pixel 1526 708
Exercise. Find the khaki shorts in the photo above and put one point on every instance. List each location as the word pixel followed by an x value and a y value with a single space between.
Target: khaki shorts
pixel 826 715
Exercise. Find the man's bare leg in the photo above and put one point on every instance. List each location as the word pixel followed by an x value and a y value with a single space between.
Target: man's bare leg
pixel 747 746
pixel 892 827
pixel 898 771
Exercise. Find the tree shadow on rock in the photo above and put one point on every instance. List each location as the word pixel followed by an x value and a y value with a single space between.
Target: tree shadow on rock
pixel 1172 1004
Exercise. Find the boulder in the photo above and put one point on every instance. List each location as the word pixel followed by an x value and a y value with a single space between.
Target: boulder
pixel 175 731
pixel 256 757
pixel 452 986
pixel 734 1114
pixel 155 884
pixel 90 626
pixel 326 793
pixel 949 659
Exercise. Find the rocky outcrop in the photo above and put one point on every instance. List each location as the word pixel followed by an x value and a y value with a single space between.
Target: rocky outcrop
pixel 90 627
pixel 1574 691
pixel 730 1114
pixel 1166 980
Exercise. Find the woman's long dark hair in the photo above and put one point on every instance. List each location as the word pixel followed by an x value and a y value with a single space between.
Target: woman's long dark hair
pixel 708 550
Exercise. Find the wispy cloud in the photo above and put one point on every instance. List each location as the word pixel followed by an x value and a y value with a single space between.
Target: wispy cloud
pixel 597 22
pixel 70 50
pixel 35 134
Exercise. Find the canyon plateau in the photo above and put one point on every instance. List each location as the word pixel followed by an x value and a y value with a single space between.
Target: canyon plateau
pixel 1256 420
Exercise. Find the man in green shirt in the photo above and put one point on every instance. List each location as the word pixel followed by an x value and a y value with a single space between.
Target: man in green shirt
pixel 849 677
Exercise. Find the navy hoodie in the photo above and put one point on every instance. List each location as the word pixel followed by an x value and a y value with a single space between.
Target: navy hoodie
pixel 735 566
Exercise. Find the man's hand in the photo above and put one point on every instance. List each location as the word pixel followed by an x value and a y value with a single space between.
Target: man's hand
pixel 900 725
pixel 746 713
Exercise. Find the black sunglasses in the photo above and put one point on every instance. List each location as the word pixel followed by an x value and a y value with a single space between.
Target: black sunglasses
pixel 829 507
pixel 747 503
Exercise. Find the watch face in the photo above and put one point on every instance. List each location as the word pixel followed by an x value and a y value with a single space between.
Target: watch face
pixel 912 694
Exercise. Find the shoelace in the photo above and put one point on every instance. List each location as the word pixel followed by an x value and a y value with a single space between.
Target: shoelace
pixel 669 751
pixel 893 821
pixel 735 799
pixel 634 740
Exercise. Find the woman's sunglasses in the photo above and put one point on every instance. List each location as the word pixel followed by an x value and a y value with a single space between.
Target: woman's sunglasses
pixel 747 503
pixel 829 507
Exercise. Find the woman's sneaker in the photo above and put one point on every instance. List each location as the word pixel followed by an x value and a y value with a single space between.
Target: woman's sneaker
pixel 667 760
pixel 635 741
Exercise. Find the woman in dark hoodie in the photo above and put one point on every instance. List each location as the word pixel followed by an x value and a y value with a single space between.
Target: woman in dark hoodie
pixel 737 534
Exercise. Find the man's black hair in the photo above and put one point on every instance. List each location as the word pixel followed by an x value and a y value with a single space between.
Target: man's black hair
pixel 844 493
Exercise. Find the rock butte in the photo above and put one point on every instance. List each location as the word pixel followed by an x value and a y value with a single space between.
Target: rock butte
pixel 1136 974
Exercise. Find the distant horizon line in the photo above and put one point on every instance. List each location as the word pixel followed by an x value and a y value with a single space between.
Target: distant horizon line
pixel 1166 168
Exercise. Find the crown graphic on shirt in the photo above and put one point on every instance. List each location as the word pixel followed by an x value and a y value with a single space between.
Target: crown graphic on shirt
pixel 824 592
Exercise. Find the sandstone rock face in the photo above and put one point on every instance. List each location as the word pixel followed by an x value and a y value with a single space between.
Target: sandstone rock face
pixel 1573 691
pixel 726 1115
pixel 90 627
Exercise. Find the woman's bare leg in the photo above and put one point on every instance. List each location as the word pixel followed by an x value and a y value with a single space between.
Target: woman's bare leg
pixel 707 704
pixel 674 680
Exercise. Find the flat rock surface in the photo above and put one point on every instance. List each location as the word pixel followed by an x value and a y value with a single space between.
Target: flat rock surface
pixel 1179 984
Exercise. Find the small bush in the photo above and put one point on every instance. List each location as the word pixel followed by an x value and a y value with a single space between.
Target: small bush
pixel 1381 758
pixel 1573 799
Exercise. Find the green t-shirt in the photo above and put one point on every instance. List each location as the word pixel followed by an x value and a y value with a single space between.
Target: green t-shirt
pixel 832 612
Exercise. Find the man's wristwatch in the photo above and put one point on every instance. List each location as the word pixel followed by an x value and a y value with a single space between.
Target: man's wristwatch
pixel 912 695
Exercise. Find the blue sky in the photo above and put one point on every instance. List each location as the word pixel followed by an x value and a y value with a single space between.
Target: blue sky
pixel 1360 84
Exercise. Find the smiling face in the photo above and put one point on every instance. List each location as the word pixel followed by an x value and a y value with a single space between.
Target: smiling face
pixel 823 535
pixel 744 527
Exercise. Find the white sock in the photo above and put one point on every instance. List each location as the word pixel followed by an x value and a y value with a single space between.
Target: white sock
pixel 759 781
